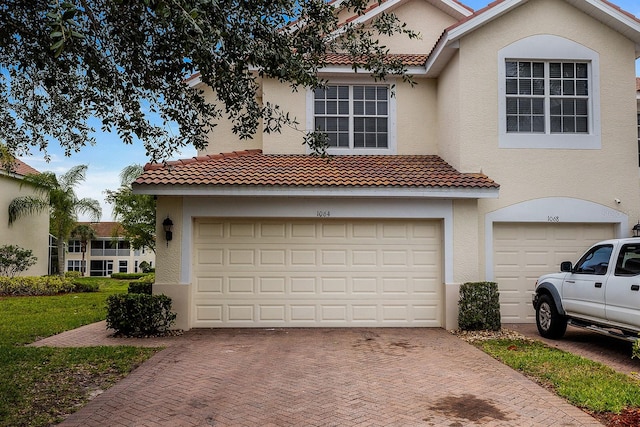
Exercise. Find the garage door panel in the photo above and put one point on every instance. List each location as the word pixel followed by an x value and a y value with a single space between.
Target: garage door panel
pixel 525 251
pixel 324 273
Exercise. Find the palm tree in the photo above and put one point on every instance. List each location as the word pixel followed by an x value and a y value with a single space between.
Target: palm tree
pixel 58 196
pixel 85 233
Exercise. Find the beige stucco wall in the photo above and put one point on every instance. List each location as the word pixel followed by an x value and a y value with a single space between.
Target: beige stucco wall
pixel 28 232
pixel 421 17
pixel 448 113
pixel 599 175
pixel 169 256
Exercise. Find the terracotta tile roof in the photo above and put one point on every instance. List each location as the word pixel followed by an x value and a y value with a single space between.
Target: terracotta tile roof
pixel 21 168
pixel 105 229
pixel 252 168
pixel 409 60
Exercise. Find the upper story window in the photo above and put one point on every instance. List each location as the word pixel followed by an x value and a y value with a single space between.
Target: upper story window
pixel 75 246
pixel 547 97
pixel 548 94
pixel 357 118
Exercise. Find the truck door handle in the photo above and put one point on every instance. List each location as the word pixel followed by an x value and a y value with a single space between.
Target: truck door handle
pixel 635 287
pixel 598 284
pixel 570 281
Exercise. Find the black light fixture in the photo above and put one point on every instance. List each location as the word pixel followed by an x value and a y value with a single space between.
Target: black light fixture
pixel 167 225
pixel 636 230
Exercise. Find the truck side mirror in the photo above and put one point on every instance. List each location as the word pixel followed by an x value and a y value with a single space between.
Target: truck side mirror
pixel 566 267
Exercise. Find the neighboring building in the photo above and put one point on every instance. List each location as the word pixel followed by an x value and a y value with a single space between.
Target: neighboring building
pixel 515 151
pixel 108 253
pixel 28 232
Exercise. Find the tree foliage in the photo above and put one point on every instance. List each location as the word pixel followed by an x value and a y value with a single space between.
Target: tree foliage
pixel 14 260
pixel 124 63
pixel 135 212
pixel 57 195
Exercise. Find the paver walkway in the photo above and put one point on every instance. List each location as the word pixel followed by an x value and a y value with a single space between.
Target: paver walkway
pixel 319 377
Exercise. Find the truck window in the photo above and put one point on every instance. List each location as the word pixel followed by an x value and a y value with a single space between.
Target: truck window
pixel 628 263
pixel 595 261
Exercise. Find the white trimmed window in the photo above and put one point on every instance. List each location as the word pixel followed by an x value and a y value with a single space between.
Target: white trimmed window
pixel 549 94
pixel 357 118
pixel 74 265
pixel 75 246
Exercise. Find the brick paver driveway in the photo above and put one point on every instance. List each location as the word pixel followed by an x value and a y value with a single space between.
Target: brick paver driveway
pixel 325 377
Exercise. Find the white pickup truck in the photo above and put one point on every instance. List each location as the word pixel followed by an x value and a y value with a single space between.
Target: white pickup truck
pixel 601 292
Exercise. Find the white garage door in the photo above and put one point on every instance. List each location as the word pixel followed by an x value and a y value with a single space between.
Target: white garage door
pixel 316 273
pixel 525 251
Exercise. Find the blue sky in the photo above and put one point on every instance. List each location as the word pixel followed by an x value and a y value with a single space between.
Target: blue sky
pixel 110 155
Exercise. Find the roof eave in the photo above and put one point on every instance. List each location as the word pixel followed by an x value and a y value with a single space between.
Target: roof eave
pixel 316 192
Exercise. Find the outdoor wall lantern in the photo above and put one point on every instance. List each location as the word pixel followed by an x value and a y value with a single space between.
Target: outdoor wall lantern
pixel 167 225
pixel 636 230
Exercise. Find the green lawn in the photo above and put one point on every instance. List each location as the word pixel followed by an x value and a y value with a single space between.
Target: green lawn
pixel 38 386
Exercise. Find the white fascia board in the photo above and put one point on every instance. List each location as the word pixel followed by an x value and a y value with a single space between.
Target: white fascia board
pixel 314 192
pixel 611 16
pixel 483 18
pixel 456 7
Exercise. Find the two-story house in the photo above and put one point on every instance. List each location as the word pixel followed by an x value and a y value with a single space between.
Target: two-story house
pixel 28 232
pixel 109 252
pixel 515 151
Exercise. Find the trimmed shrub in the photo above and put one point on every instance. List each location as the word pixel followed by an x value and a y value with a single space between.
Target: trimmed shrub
pixel 139 315
pixel 14 260
pixel 35 286
pixel 479 306
pixel 127 276
pixel 142 285
pixel 86 286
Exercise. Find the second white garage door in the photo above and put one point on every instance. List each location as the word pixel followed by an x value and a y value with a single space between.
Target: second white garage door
pixel 525 251
pixel 274 273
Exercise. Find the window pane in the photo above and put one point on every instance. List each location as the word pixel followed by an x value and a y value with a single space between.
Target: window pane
pixel 524 106
pixel 512 87
pixel 555 70
pixel 332 139
pixel 332 107
pixel 568 124
pixel 581 71
pixel 512 105
pixel 511 69
pixel 538 106
pixel 582 88
pixel 318 93
pixel 370 125
pixel 370 92
pixel 343 140
pixel 538 87
pixel 524 123
pixel 319 107
pixel 582 125
pixel 358 124
pixel 358 108
pixel 568 71
pixel 370 108
pixel 343 107
pixel 556 107
pixel 538 69
pixel 332 92
pixel 343 92
pixel 538 124
pixel 343 124
pixel 381 125
pixel 382 108
pixel 568 107
pixel 358 92
pixel 512 124
pixel 382 92
pixel 525 69
pixel 582 107
pixel 370 140
pixel 556 124
pixel 358 140
pixel 332 124
pixel 555 87
pixel 382 140
pixel 567 87
pixel 525 87
pixel 320 124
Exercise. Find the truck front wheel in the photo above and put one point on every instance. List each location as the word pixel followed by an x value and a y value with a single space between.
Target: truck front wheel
pixel 551 324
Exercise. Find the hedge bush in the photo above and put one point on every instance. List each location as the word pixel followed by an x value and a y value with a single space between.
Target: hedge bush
pixel 142 285
pixel 139 315
pixel 479 306
pixel 86 286
pixel 128 276
pixel 35 286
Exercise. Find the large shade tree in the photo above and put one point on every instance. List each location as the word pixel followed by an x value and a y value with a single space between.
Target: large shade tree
pixel 135 212
pixel 57 196
pixel 125 63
